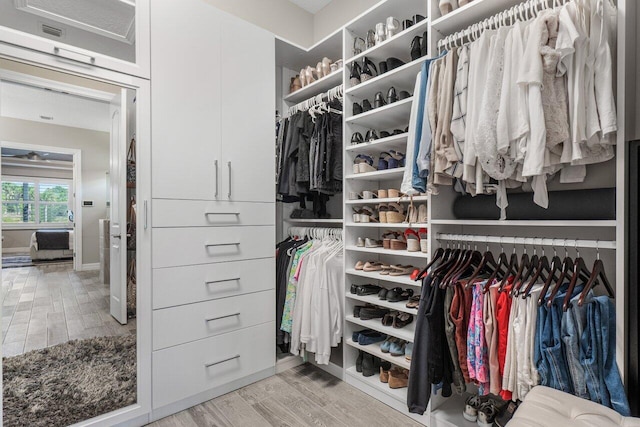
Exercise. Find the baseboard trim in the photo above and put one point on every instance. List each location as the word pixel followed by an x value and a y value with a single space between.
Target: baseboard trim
pixel 199 398
pixel 91 267
pixel 9 251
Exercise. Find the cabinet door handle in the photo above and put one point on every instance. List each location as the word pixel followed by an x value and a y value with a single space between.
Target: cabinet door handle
pixel 229 164
pixel 215 164
pixel 57 50
pixel 209 245
pixel 211 319
pixel 208 365
pixel 146 209
pixel 221 213
pixel 212 282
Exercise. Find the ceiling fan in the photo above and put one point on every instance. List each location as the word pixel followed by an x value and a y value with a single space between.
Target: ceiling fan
pixel 32 156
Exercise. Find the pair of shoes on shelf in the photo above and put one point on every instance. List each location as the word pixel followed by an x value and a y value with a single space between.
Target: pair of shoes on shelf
pixel 385 269
pixel 419 46
pixel 397 319
pixel 416 240
pixel 366 242
pixel 396 377
pixel 363 163
pixel 369 266
pixel 394 346
pixel 391 159
pixel 380 194
pixel 364 214
pixel 483 409
pixel 390 64
pixel 368 336
pixel 379 100
pixel 371 136
pixel 395 295
pixel 391 213
pixel 362 73
pixel 363 290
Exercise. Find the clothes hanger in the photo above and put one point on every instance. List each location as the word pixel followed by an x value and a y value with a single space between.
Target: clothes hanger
pixel 543 267
pixel 528 272
pixel 512 269
pixel 597 272
pixel 578 267
pixel 524 263
pixel 503 262
pixel 487 263
pixel 459 262
pixel 438 255
pixel 555 267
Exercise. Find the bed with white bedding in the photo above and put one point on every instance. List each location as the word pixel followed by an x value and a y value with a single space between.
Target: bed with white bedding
pixel 52 245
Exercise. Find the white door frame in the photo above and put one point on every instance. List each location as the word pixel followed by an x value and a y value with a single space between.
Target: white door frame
pixel 77 189
pixel 140 412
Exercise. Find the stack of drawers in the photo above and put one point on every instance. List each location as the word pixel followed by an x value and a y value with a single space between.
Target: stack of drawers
pixel 213 296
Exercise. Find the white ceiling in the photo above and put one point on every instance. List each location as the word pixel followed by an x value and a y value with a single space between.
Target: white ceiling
pixel 312 6
pixel 39 105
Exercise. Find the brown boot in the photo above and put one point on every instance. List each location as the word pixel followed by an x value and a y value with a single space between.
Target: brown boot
pixel 398 378
pixel 384 375
pixel 295 84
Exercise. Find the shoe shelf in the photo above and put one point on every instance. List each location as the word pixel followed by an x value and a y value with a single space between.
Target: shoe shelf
pixel 375 350
pixel 402 78
pixel 319 86
pixel 378 175
pixel 373 299
pixel 449 413
pixel 386 117
pixel 399 394
pixel 405 333
pixel 416 199
pixel 401 42
pixel 383 144
pixel 385 225
pixel 526 223
pixel 375 275
pixel 382 251
pixel 470 14
pixel 314 221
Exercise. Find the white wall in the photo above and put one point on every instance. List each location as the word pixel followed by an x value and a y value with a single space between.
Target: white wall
pixel 280 17
pixel 95 164
pixel 336 14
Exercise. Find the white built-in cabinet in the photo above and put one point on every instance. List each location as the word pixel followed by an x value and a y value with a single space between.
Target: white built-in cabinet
pixel 213 203
pixel 82 38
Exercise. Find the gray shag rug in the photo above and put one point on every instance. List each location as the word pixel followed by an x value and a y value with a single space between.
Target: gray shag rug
pixel 69 382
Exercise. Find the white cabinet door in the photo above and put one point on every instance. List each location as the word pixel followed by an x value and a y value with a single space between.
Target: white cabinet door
pixel 81 35
pixel 185 96
pixel 248 112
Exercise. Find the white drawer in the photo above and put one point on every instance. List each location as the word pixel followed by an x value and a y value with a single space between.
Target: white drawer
pixel 179 325
pixel 173 247
pixel 201 213
pixel 183 371
pixel 185 285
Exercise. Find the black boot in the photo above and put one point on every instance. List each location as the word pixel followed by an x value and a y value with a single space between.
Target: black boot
pixel 416 48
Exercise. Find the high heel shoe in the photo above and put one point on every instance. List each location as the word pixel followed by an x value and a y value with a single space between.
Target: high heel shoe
pixel 391 95
pixel 319 71
pixel 393 63
pixel 356 138
pixel 295 84
pixel 303 77
pixel 369 70
pixel 354 77
pixel 379 100
pixel 309 72
pixel 371 136
pixel 424 44
pixel 357 109
pixel 383 67
pixel 366 106
pixel 326 66
pixel 416 48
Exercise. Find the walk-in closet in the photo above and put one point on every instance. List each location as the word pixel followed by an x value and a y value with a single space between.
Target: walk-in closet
pixel 320 212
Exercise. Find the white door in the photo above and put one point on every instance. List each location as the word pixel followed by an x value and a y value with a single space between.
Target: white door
pixel 185 96
pixel 118 182
pixel 248 116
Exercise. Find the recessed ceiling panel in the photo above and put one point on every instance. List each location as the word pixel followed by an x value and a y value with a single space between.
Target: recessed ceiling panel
pixel 110 18
pixel 311 5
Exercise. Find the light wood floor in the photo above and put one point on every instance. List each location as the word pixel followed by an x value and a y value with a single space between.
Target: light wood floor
pixel 51 304
pixel 302 396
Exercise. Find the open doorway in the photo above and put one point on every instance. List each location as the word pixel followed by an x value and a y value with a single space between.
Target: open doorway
pixel 69 188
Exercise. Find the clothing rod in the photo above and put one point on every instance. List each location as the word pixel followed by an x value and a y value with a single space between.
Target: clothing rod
pixel 331 94
pixel 529 241
pixel 523 12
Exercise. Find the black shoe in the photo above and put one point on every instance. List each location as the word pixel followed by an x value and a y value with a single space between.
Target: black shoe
pixel 368 368
pixel 359 361
pixel 417 18
pixel 371 136
pixel 393 63
pixel 357 109
pixel 424 44
pixel 382 294
pixel 368 313
pixel 379 100
pixel 391 95
pixel 398 132
pixel 366 106
pixel 383 67
pixel 416 48
pixel 363 290
pixel 356 138
pixel 354 288
pixel 404 95
pixel 369 70
pixel 384 134
pixel 356 310
pixel 354 77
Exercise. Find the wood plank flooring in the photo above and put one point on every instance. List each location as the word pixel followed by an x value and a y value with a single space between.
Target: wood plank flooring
pixel 51 304
pixel 302 396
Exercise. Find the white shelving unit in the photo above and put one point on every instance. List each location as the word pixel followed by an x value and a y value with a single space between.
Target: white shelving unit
pixel 391 115
pixel 319 86
pixel 375 350
pixel 374 275
pixel 416 199
pixel 382 144
pixel 373 299
pixel 382 251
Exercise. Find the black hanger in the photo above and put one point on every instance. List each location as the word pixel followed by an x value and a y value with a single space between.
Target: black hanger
pixel 542 268
pixel 524 263
pixel 440 253
pixel 596 273
pixel 459 263
pixel 528 272
pixel 578 267
pixel 487 263
pixel 503 262
pixel 511 270
pixel 472 262
pixel 555 266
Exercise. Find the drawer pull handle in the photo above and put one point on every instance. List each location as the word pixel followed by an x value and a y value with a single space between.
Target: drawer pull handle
pixel 229 164
pixel 222 213
pixel 211 282
pixel 209 245
pixel 58 51
pixel 208 365
pixel 211 319
pixel 215 164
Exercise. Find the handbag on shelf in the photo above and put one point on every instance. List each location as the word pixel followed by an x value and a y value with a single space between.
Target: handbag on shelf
pixel 131 288
pixel 131 162
pixel 131 224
